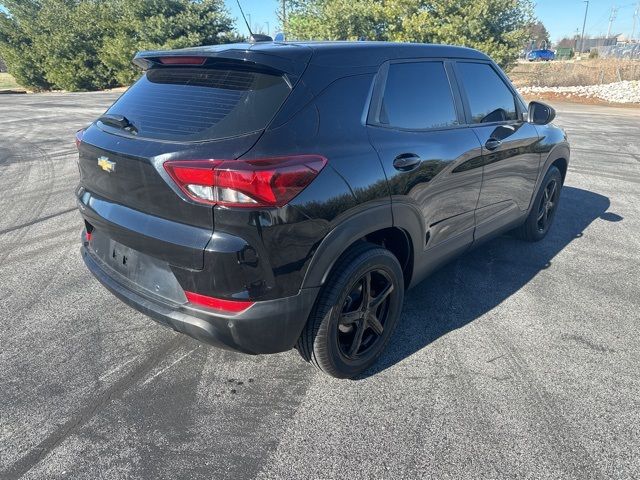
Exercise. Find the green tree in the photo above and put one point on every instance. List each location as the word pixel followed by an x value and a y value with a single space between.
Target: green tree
pixel 69 39
pixel 497 27
pixel 165 24
pixel 89 44
pixel 16 44
pixel 538 34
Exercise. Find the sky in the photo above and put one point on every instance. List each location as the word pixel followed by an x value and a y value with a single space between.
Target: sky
pixel 561 17
pixel 258 13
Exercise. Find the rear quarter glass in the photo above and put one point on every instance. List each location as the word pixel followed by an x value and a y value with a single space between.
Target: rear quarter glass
pixel 188 104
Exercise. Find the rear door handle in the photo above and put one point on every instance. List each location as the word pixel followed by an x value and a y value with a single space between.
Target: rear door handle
pixel 406 162
pixel 492 144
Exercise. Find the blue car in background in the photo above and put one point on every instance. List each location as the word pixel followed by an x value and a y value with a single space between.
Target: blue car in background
pixel 541 55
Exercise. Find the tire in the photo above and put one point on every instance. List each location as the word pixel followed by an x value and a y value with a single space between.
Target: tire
pixel 330 338
pixel 543 211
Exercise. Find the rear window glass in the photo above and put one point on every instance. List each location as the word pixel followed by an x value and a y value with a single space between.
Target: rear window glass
pixel 417 96
pixel 195 104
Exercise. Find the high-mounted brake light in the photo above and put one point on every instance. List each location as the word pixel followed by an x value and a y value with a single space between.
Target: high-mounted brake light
pixel 181 60
pixel 231 306
pixel 265 182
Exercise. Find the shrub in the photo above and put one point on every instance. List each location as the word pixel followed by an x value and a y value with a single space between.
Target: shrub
pixel 497 27
pixel 89 44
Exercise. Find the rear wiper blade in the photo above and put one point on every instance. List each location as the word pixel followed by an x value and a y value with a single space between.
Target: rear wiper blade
pixel 118 121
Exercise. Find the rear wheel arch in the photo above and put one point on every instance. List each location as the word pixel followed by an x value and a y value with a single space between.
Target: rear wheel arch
pixel 398 242
pixel 373 226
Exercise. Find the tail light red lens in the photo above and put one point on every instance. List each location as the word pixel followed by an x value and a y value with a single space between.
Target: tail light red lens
pixel 265 182
pixel 79 135
pixel 231 306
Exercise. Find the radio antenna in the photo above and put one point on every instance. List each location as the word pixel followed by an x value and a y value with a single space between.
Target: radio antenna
pixel 254 38
pixel 245 18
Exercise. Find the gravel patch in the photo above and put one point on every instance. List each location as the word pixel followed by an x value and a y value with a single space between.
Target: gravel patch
pixel 618 92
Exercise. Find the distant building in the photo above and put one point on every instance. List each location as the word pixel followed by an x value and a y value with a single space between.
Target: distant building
pixel 591 43
pixel 623 50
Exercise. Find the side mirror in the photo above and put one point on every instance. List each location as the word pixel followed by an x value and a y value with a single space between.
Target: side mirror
pixel 540 113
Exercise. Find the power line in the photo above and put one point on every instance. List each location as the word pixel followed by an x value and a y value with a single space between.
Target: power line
pixel 603 18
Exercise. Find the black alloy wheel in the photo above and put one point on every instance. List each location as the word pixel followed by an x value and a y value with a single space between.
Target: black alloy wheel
pixel 356 312
pixel 547 206
pixel 544 208
pixel 364 314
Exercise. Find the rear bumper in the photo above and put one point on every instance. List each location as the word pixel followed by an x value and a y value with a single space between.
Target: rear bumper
pixel 266 327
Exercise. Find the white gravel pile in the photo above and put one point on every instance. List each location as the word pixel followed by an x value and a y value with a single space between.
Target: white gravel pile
pixel 618 92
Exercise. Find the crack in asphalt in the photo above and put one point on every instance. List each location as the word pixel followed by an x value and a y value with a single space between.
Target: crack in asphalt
pixel 604 175
pixel 77 421
pixel 37 220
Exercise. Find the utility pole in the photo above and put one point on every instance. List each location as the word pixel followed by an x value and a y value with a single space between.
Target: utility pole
pixel 614 11
pixel 268 29
pixel 584 24
pixel 635 19
pixel 284 15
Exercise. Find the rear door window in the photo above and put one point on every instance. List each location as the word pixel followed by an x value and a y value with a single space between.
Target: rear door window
pixel 196 104
pixel 490 100
pixel 417 96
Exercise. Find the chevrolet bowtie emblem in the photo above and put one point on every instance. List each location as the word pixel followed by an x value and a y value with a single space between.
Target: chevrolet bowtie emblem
pixel 106 164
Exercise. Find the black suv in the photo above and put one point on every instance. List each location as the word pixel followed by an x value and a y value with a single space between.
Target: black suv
pixel 261 197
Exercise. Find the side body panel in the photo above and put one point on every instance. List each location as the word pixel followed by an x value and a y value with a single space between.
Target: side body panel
pixel 553 145
pixel 510 159
pixel 434 202
pixel 510 175
pixel 441 188
pixel 352 185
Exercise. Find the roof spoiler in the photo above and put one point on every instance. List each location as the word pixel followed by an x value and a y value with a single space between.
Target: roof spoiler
pixel 285 58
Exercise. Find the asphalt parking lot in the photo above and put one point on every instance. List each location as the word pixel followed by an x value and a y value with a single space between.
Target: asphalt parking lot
pixel 517 360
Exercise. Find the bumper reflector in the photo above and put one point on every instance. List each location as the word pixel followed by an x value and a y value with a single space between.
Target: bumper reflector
pixel 231 306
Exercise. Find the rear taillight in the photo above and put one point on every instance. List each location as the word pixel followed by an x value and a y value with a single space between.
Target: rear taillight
pixel 265 182
pixel 230 306
pixel 79 135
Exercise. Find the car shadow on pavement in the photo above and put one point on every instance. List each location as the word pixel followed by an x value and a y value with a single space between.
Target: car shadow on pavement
pixel 481 279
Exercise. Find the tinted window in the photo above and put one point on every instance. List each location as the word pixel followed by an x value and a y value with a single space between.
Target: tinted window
pixel 192 104
pixel 417 96
pixel 489 98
